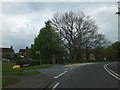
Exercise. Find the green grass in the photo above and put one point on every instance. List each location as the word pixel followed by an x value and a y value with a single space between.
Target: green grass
pixel 7 66
pixel 7 69
pixel 21 73
pixel 0 80
pixel 6 81
pixel 0 66
pixel 24 71
pixel 0 74
pixel 37 67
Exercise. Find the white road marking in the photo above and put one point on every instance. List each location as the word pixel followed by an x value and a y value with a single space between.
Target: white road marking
pixel 114 75
pixel 60 74
pixel 80 65
pixel 73 66
pixel 55 85
pixel 112 71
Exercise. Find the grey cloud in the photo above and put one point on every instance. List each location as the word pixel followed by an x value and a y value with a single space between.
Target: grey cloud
pixel 60 1
pixel 17 39
pixel 29 7
pixel 20 33
pixel 22 7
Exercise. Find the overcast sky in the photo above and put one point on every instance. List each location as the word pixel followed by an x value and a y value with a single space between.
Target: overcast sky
pixel 21 21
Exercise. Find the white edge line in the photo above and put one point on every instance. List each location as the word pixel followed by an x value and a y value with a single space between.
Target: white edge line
pixel 55 85
pixel 60 74
pixel 111 73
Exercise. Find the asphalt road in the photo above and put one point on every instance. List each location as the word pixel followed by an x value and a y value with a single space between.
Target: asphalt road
pixel 88 76
pixel 52 71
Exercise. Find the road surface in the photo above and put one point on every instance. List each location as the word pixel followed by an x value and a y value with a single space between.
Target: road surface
pixel 95 75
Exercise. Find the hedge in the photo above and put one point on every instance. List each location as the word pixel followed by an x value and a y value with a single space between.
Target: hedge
pixel 24 61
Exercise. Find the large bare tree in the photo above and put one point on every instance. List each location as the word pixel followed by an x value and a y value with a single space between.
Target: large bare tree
pixel 77 31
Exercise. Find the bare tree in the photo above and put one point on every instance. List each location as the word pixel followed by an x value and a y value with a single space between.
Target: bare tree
pixel 76 30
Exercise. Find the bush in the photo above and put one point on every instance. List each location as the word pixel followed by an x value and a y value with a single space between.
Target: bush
pixel 22 62
pixel 25 61
pixel 34 63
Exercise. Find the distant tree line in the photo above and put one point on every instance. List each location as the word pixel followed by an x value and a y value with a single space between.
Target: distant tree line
pixel 73 37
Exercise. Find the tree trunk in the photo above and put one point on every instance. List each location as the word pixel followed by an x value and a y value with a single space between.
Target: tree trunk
pixel 74 57
pixel 87 54
pixel 53 59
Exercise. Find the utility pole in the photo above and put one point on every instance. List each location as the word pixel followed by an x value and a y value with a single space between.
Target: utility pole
pixel 118 20
pixel 40 57
pixel 39 52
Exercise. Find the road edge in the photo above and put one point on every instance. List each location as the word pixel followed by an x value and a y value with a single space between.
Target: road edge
pixel 49 82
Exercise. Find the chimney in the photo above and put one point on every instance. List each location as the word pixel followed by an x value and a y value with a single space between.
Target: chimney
pixel 26 47
pixel 11 47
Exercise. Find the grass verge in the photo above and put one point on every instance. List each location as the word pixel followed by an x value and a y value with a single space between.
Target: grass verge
pixel 23 71
pixel 7 71
pixel 6 81
pixel 36 67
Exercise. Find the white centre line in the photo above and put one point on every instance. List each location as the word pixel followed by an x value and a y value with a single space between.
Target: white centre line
pixel 60 74
pixel 55 85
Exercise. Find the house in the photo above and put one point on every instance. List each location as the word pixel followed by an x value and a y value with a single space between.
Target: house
pixel 7 52
pixel 23 52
